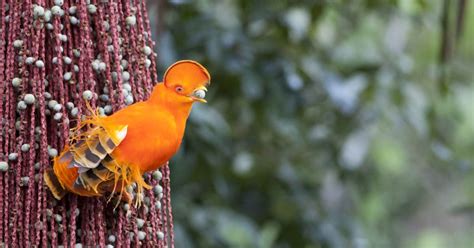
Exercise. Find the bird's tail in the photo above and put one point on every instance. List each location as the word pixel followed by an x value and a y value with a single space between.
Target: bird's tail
pixel 62 177
pixel 57 177
pixel 53 184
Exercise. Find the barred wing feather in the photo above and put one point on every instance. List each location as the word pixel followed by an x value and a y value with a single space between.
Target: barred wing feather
pixel 91 155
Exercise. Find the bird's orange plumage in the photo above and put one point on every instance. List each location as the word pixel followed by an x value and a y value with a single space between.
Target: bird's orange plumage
pixel 154 130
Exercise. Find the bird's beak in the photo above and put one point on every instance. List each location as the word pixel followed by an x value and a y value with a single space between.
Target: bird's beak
pixel 199 94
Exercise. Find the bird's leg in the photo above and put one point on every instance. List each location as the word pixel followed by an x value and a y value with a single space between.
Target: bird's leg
pixel 110 187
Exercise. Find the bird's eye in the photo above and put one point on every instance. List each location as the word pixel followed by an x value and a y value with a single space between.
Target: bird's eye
pixel 179 89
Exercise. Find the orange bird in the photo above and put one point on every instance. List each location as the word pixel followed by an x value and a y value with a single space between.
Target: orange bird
pixel 105 154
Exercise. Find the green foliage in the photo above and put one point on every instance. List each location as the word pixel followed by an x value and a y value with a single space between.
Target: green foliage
pixel 325 125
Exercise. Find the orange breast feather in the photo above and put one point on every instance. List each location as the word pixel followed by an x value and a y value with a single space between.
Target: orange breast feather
pixel 153 136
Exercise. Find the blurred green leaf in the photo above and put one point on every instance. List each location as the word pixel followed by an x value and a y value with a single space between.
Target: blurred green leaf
pixel 325 126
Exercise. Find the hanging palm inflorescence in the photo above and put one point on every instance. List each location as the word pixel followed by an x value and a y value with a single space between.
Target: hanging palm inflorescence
pixel 54 56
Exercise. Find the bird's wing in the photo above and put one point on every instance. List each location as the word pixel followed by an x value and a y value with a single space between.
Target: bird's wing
pixel 94 145
pixel 90 151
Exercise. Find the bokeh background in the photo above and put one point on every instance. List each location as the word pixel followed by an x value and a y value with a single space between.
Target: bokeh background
pixel 329 123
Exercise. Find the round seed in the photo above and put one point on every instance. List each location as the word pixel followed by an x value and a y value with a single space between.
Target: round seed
pixel 3 166
pixel 125 76
pixel 147 50
pixel 52 152
pixel 67 60
pixel 146 210
pixel 101 111
pixel 39 63
pixel 63 37
pixel 87 95
pixel 73 20
pixel 140 222
pixel 95 65
pixel 102 66
pixel 74 112
pixel 127 87
pixel 131 20
pixel 126 207
pixel 38 11
pixel 67 76
pixel 157 189
pixel 18 43
pixel 72 10
pixel 160 235
pixel 58 116
pixel 16 82
pixel 157 175
pixel 69 105
pixel 25 147
pixel 91 9
pixel 129 100
pixel 21 105
pixel 57 11
pixel 58 218
pixel 147 200
pixel 37 177
pixel 76 53
pixel 24 181
pixel 108 109
pixel 106 25
pixel 125 92
pixel 104 98
pixel 29 99
pixel 200 94
pixel 124 63
pixel 141 235
pixel 114 75
pixel 52 103
pixel 13 156
pixel 29 60
pixel 47 16
pixel 57 107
